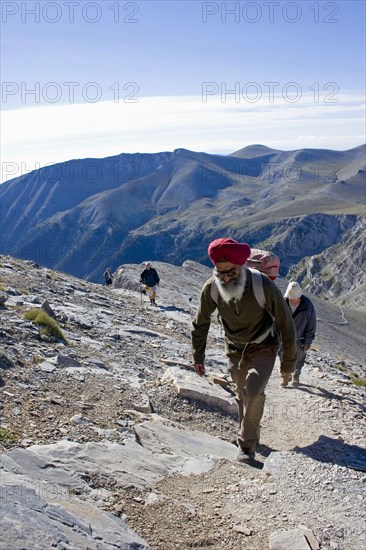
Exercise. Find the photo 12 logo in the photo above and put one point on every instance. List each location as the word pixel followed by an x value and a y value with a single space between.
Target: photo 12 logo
pixel 69 92
pixel 252 92
pixel 244 171
pixel 72 172
pixel 269 12
pixel 71 12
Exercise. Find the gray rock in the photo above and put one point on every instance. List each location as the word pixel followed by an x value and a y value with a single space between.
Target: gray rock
pixel 310 537
pixel 47 309
pixel 162 435
pixel 38 518
pixel 190 386
pixel 47 366
pixel 288 540
pixel 67 361
pixel 33 299
pixel 13 291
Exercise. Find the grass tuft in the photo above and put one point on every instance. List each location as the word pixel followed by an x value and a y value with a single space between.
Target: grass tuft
pixel 359 382
pixel 7 436
pixel 340 367
pixel 48 327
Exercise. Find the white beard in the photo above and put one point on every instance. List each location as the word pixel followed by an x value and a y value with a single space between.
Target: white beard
pixel 234 290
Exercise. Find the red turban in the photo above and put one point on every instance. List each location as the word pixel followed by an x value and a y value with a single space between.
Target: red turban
pixel 228 250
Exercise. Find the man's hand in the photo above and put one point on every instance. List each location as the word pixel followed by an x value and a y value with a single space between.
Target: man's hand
pixel 286 377
pixel 305 348
pixel 199 368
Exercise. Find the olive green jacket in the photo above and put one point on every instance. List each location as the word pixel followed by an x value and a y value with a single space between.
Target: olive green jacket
pixel 244 321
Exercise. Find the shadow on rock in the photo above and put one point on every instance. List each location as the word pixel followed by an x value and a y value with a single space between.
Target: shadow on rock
pixel 264 450
pixel 322 392
pixel 256 464
pixel 334 451
pixel 173 308
pixel 5 362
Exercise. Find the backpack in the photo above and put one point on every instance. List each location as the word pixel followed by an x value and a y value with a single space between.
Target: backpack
pixel 266 262
pixel 259 296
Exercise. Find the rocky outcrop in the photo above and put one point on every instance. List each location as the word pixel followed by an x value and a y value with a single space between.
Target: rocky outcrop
pixel 339 273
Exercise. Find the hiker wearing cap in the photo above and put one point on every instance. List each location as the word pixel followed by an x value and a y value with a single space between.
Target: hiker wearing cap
pixel 150 278
pixel 304 316
pixel 108 276
pixel 251 333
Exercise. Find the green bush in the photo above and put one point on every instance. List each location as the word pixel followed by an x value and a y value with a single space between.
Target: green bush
pixel 48 327
pixel 359 382
pixel 6 436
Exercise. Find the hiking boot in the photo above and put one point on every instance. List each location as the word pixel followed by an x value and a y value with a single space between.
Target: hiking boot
pixel 235 441
pixel 245 456
pixel 296 380
pixel 286 377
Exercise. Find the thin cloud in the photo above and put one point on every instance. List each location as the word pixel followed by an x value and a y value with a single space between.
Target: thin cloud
pixel 42 135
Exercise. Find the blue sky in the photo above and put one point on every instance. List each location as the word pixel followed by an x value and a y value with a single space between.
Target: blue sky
pixel 92 79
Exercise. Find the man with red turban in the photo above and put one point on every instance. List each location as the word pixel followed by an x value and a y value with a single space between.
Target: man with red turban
pixel 252 334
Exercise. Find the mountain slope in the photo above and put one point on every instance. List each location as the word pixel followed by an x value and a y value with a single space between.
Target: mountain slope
pixel 101 447
pixel 169 206
pixel 33 198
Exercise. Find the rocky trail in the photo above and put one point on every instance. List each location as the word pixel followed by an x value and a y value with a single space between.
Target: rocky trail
pixel 109 440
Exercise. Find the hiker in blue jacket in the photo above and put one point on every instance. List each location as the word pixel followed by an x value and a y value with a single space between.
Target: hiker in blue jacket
pixel 108 277
pixel 304 316
pixel 150 278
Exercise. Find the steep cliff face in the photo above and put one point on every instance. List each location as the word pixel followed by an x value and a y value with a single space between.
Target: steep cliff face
pixel 295 238
pixel 292 238
pixel 339 272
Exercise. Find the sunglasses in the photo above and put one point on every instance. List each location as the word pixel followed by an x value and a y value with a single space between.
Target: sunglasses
pixel 228 273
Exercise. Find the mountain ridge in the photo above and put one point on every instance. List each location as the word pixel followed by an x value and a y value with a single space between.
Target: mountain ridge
pixel 169 206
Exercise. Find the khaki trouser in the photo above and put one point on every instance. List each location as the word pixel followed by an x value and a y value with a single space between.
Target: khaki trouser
pixel 151 291
pixel 250 369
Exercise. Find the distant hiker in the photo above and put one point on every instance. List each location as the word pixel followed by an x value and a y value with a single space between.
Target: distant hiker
pixel 150 279
pixel 108 276
pixel 304 316
pixel 251 336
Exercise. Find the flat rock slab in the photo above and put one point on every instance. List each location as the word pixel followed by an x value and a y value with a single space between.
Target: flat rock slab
pixel 165 448
pixel 40 484
pixel 31 518
pixel 164 436
pixel 64 463
pixel 191 386
pixel 288 540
